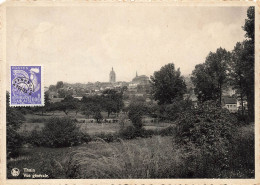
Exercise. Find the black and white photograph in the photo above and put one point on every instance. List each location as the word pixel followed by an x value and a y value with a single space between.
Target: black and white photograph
pixel 130 91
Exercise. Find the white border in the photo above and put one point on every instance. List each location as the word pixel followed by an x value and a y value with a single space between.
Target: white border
pixel 31 3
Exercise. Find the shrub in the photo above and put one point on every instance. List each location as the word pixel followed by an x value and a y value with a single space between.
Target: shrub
pixel 206 133
pixel 14 142
pixel 243 152
pixel 136 111
pixel 172 111
pixel 14 119
pixel 35 138
pixel 58 132
pixel 107 137
pixel 127 133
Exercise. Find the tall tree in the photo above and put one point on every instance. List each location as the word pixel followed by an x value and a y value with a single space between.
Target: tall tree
pixel 242 65
pixel 249 56
pixel 167 84
pixel 238 67
pixel 218 67
pixel 249 26
pixel 205 88
pixel 112 101
pixel 211 77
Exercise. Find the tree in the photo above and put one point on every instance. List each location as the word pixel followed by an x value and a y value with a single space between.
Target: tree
pixel 47 104
pixel 97 115
pixel 52 88
pixel 167 84
pixel 205 88
pixel 92 106
pixel 218 67
pixel 136 111
pixel 238 67
pixel 210 78
pixel 173 111
pixel 242 65
pixel 67 104
pixel 62 132
pixel 112 101
pixel 249 26
pixel 59 85
pixel 109 106
pixel 249 56
pixel 124 89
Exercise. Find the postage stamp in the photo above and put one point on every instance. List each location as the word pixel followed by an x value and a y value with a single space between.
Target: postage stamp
pixel 26 86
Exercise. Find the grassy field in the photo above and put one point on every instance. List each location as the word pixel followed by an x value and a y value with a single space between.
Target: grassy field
pixel 138 158
pixel 155 157
pixel 37 122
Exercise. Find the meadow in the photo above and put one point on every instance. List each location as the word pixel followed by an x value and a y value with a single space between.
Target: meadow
pixel 138 158
pixel 157 156
pixel 37 122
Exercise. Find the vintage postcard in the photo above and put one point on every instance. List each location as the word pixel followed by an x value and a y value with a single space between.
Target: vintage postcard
pixel 129 92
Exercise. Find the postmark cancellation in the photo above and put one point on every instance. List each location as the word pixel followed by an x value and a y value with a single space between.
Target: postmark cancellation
pixel 26 88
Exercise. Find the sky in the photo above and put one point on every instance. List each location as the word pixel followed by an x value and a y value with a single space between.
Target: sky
pixel 82 44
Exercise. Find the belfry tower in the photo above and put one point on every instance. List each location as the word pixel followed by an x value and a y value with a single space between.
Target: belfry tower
pixel 112 76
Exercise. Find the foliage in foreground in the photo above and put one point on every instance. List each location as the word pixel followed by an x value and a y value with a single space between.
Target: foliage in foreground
pixel 155 157
pixel 14 119
pixel 141 158
pixel 207 135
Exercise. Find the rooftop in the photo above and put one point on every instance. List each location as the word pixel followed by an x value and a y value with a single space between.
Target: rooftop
pixel 229 100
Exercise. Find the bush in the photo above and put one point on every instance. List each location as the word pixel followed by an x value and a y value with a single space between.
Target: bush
pixel 132 132
pixel 127 133
pixel 136 111
pixel 243 152
pixel 14 119
pixel 58 132
pixel 107 137
pixel 35 138
pixel 172 111
pixel 206 133
pixel 14 142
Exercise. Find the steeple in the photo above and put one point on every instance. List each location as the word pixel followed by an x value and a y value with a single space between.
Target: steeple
pixel 136 74
pixel 112 76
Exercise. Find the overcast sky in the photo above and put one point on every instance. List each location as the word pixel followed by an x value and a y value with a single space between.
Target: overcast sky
pixel 82 44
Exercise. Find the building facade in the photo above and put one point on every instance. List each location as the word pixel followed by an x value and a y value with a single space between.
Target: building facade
pixel 230 103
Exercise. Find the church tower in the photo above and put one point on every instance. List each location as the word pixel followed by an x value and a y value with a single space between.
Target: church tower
pixel 112 76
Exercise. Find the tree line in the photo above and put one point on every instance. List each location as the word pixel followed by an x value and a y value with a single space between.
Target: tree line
pixel 221 70
pixel 111 101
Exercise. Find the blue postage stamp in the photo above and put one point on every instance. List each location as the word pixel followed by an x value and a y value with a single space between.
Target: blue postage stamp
pixel 27 86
